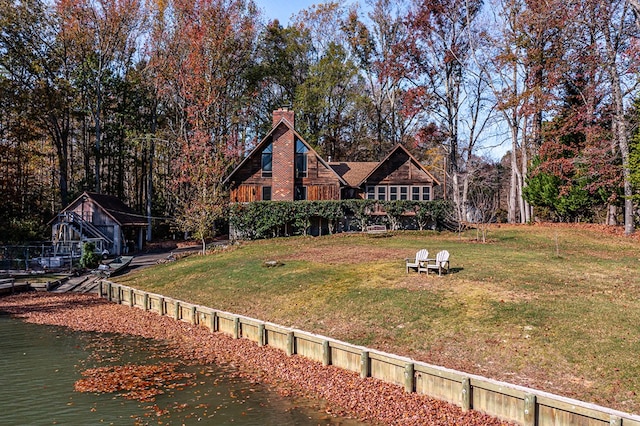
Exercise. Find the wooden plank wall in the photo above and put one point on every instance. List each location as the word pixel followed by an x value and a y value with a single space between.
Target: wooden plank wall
pixel 323 192
pixel 513 403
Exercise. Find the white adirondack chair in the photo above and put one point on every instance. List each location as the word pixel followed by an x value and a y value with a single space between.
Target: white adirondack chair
pixel 440 263
pixel 421 257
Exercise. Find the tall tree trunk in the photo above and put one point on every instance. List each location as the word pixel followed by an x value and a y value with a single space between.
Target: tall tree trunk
pixel 525 207
pixel 620 128
pixel 98 131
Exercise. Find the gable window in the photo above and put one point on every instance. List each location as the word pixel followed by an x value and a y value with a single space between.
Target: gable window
pixel 421 193
pixel 404 192
pixel 415 193
pixel 267 160
pixel 266 193
pixel 301 159
pixel 426 193
pixel 371 192
pixel 393 193
pixel 300 193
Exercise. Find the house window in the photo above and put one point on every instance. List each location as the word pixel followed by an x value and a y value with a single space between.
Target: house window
pixel 404 192
pixel 426 193
pixel 301 159
pixel 267 160
pixel 300 193
pixel 415 193
pixel 393 193
pixel 421 193
pixel 371 192
pixel 266 193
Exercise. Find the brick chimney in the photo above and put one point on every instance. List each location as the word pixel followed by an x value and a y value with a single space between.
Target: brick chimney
pixel 283 157
pixel 285 113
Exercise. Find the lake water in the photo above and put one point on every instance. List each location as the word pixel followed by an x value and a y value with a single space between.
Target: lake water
pixel 40 364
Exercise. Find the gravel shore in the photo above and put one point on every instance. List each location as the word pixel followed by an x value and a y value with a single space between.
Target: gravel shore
pixel 345 392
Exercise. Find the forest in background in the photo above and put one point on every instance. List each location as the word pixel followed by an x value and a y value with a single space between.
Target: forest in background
pixel 155 102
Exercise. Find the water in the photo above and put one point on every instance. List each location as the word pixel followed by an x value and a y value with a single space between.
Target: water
pixel 40 364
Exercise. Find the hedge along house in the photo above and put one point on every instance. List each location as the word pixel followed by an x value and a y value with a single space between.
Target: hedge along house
pixel 284 167
pixel 102 219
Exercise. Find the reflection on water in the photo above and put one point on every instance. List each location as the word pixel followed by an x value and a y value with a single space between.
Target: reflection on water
pixel 40 364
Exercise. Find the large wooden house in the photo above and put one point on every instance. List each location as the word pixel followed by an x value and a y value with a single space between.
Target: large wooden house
pixel 284 167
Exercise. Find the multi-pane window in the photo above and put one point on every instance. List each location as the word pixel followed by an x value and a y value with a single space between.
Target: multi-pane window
pixel 415 193
pixel 371 192
pixel 301 159
pixel 400 192
pixel 426 193
pixel 393 193
pixel 267 160
pixel 266 193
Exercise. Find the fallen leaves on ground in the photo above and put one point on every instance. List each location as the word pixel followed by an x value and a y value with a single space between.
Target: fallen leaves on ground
pixel 345 392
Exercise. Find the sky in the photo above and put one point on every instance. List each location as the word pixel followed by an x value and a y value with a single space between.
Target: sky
pixel 283 9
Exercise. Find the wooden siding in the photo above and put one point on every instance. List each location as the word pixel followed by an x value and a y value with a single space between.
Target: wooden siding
pixel 321 182
pixel 251 172
pixel 399 169
pixel 323 192
pixel 246 193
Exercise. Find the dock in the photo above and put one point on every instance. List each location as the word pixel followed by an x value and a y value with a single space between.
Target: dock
pixel 82 284
pixel 9 286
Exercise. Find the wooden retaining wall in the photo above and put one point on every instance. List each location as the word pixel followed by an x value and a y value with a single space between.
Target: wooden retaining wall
pixel 513 403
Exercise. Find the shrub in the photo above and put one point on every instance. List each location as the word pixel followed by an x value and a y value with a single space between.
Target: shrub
pixel 89 259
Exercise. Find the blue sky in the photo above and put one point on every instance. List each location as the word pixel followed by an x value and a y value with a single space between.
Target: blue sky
pixel 283 9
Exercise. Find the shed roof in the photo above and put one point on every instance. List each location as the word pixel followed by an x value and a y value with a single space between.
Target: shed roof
pixel 114 207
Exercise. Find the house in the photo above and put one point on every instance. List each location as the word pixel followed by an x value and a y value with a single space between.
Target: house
pixel 105 220
pixel 284 167
pixel 399 176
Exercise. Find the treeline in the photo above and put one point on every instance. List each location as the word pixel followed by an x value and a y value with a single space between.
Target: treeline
pixel 155 102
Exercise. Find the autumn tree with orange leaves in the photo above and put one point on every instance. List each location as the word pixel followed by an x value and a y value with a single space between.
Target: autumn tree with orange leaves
pixel 200 54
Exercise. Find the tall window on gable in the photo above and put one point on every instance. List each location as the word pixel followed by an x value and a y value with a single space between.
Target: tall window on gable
pixel 267 160
pixel 301 159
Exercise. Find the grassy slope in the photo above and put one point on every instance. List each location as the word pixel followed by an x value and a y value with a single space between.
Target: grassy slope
pixel 554 308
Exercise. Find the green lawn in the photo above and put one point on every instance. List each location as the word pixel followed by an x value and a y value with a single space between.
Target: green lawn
pixel 554 308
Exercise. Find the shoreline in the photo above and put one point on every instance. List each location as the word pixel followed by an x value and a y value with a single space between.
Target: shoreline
pixel 345 393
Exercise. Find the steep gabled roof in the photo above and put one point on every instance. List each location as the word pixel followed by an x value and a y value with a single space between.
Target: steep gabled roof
pixel 113 207
pixel 411 157
pixel 353 172
pixel 268 138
